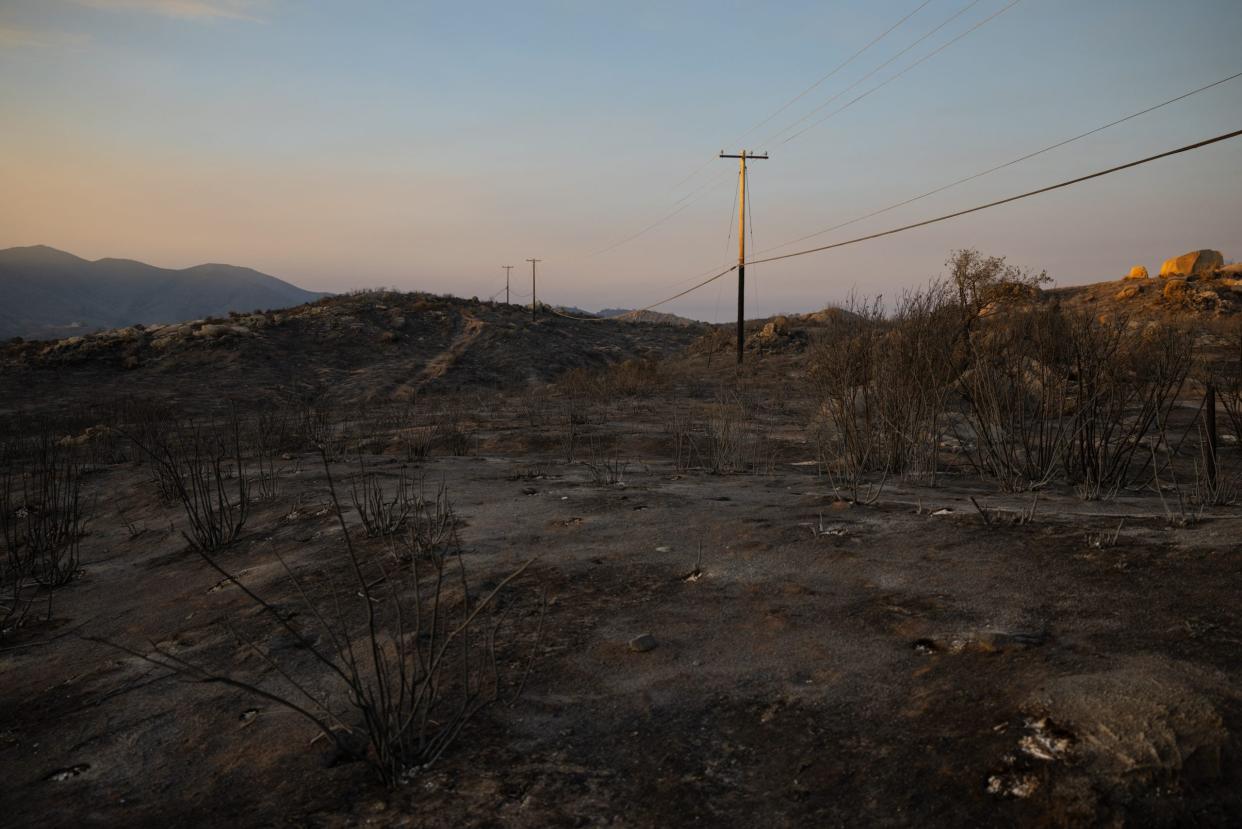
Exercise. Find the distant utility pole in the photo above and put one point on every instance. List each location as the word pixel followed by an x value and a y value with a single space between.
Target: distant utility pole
pixel 741 247
pixel 534 295
pixel 507 269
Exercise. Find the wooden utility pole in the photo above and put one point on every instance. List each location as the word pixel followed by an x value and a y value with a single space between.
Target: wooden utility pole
pixel 507 269
pixel 534 295
pixel 741 247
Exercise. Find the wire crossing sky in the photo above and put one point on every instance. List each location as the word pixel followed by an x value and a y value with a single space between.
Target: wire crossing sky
pixel 421 145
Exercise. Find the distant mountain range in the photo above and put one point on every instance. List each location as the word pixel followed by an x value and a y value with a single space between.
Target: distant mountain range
pixel 46 293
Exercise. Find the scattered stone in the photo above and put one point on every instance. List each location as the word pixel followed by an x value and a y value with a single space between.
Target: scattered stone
pixel 1020 786
pixel 61 775
pixel 1045 741
pixel 643 642
pixel 1138 272
pixel 1128 292
pixel 1195 262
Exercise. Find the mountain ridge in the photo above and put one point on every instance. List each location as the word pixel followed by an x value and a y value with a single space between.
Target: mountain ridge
pixel 49 293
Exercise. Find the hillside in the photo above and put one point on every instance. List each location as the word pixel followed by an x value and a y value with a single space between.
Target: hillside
pixel 48 293
pixel 368 346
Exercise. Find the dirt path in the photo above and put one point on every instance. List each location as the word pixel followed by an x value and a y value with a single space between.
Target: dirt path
pixel 439 365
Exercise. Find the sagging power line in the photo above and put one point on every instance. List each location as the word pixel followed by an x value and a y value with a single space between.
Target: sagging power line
pixel 1028 194
pixel 1005 165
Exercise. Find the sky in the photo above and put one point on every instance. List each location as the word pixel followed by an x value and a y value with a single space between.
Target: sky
pixel 423 145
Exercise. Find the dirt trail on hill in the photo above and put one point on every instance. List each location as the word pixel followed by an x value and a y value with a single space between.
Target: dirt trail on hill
pixel 439 365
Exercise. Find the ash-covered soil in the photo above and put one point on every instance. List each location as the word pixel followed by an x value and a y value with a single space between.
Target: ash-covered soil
pixel 924 659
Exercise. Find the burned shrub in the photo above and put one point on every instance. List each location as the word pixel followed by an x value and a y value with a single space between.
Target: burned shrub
pixel 381 514
pixel 205 469
pixel 881 386
pixel 42 520
pixel 405 657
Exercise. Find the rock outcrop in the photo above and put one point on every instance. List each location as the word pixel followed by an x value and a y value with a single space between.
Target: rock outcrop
pixel 1138 272
pixel 1195 262
pixel 1175 290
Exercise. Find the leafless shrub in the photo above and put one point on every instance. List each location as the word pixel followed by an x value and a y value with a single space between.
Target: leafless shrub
pixel 321 432
pixel 381 514
pixel 1127 381
pixel 15 590
pixel 417 441
pixel 1018 388
pixel 847 383
pixel 426 665
pixel 275 430
pixel 453 432
pixel 533 403
pixel 605 465
pixel 570 429
pixel 206 469
pixel 1214 484
pixel 982 283
pixel 725 438
pixel 631 378
pixel 432 529
pixel 1229 382
pixel 682 430
pixel 42 535
pixel 270 432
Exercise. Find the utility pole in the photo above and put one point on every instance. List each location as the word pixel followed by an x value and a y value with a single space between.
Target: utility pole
pixel 741 247
pixel 507 269
pixel 534 295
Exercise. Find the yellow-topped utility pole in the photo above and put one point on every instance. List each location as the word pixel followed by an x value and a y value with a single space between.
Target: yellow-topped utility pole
pixel 741 247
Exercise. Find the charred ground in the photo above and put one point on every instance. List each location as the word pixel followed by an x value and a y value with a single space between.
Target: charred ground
pixel 856 620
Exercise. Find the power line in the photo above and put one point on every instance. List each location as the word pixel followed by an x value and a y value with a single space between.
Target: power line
pixel 809 89
pixel 885 83
pixel 998 167
pixel 689 197
pixel 838 68
pixel 888 62
pixel 1080 179
pixel 1168 153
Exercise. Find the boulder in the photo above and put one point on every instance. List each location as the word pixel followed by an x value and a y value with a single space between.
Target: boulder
pixel 1195 262
pixel 1138 272
pixel 1129 291
pixel 1175 290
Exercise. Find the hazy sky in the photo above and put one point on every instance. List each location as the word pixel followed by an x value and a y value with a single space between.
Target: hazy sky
pixel 424 144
